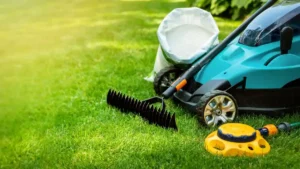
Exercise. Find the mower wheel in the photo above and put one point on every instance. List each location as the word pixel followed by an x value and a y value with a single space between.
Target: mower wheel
pixel 165 77
pixel 217 107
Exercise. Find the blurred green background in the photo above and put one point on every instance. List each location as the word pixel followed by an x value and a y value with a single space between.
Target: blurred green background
pixel 234 9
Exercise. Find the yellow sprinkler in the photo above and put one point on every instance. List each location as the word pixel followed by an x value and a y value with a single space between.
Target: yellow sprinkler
pixel 236 139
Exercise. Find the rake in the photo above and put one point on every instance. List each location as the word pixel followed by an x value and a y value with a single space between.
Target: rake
pixel 145 109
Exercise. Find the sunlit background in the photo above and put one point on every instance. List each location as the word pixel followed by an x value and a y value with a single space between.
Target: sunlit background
pixel 38 37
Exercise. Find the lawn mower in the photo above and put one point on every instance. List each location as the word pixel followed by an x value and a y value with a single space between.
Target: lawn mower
pixel 256 68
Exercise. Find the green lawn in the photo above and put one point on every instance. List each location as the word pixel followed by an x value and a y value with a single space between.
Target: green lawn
pixel 57 61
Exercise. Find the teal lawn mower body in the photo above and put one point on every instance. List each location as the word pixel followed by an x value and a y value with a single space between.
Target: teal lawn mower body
pixel 266 68
pixel 256 71
pixel 257 54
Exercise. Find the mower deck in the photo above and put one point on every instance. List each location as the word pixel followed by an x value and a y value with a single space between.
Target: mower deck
pixel 271 101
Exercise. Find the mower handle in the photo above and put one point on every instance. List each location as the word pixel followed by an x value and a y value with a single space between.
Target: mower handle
pixel 182 80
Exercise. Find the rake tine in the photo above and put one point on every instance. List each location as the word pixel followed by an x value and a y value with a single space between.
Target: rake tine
pixel 173 123
pixel 127 104
pixel 168 119
pixel 163 119
pixel 138 107
pixel 120 102
pixel 158 118
pixel 141 109
pixel 147 112
pixel 152 115
pixel 123 102
pixel 116 99
pixel 108 96
pixel 155 115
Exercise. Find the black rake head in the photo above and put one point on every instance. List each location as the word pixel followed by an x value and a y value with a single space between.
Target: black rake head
pixel 144 109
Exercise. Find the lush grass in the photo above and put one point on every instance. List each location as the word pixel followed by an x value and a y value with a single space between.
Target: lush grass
pixel 57 61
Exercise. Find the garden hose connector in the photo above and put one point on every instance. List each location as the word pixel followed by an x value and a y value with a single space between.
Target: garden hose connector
pixel 236 139
pixel 271 129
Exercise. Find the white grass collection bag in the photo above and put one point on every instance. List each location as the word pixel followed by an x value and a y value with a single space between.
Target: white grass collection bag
pixel 184 35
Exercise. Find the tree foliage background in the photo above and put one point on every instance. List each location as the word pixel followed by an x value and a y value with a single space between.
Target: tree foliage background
pixel 234 9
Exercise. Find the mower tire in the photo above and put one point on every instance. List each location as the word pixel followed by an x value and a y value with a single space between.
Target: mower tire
pixel 216 107
pixel 165 77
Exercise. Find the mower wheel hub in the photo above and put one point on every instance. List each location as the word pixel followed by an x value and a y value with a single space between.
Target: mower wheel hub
pixel 218 112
